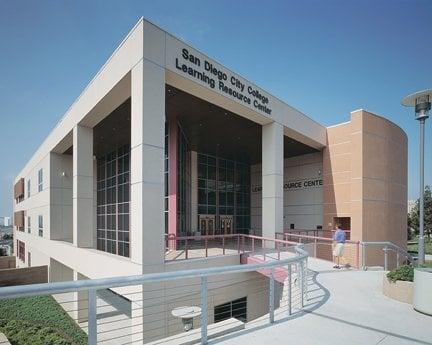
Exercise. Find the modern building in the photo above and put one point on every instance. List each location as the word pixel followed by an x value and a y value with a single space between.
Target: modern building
pixel 166 141
pixel 5 221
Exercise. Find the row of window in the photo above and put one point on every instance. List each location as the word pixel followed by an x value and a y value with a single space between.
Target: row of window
pixel 40 225
pixel 113 196
pixel 39 186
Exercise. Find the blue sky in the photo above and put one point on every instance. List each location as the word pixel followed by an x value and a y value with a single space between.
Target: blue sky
pixel 325 58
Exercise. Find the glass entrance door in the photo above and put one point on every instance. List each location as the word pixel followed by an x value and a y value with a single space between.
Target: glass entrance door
pixel 206 224
pixel 226 225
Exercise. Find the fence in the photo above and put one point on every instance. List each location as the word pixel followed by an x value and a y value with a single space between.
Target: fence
pixel 189 247
pixel 322 247
pixel 385 254
pixel 138 308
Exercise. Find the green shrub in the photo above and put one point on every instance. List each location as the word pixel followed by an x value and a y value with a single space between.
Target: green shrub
pixel 41 321
pixel 405 272
pixel 21 332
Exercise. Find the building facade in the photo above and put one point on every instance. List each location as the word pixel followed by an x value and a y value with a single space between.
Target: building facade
pixel 166 141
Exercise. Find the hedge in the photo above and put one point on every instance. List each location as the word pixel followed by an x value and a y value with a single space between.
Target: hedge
pixel 404 273
pixel 38 320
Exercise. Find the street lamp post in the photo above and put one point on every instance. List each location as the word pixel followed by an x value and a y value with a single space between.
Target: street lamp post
pixel 421 101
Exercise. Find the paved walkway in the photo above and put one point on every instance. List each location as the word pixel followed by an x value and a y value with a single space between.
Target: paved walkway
pixel 344 307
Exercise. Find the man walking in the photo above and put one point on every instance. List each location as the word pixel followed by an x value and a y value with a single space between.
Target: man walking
pixel 339 239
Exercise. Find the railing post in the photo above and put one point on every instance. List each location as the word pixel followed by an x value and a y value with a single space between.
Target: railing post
pixel 206 247
pixel 238 243
pixel 278 250
pixel 92 319
pixel 385 258
pixel 253 246
pixel 223 245
pixel 289 290
pixel 305 271
pixel 243 244
pixel 358 254
pixel 263 248
pixel 301 283
pixel 204 310
pixel 186 249
pixel 397 259
pixel 364 256
pixel 271 297
pixel 315 248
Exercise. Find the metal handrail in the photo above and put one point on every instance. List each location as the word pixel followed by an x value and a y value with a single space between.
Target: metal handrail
pixel 387 246
pixel 92 285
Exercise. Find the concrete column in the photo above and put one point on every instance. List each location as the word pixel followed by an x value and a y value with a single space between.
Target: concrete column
pixel 82 186
pixel 172 180
pixel 80 311
pixel 272 180
pixel 147 165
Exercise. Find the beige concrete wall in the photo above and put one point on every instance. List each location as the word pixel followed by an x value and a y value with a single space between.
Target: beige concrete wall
pixel 365 178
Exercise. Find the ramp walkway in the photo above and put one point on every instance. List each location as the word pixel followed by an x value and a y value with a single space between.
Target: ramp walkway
pixel 343 307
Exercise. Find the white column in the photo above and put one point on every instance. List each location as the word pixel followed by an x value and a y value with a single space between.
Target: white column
pixel 272 179
pixel 80 298
pixel 147 165
pixel 82 186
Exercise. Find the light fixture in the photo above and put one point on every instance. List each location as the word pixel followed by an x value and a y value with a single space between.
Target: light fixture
pixel 421 101
pixel 186 314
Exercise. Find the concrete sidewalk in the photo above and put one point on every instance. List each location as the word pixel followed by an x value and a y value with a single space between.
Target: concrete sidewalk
pixel 343 307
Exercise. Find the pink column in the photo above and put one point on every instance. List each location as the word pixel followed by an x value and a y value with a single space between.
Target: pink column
pixel 172 182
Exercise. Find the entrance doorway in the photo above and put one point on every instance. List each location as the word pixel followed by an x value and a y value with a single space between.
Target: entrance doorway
pixel 207 224
pixel 226 225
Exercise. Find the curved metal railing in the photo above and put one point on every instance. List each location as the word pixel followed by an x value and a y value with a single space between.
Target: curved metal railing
pixel 386 247
pixel 93 285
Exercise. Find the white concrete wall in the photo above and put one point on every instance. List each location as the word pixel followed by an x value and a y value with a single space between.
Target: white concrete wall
pixel 61 197
pixel 303 207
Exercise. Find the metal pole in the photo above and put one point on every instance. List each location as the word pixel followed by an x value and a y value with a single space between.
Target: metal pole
pixel 385 258
pixel 301 283
pixel 364 257
pixel 204 310
pixel 289 290
pixel 92 319
pixel 306 278
pixel 421 220
pixel 271 297
pixel 397 259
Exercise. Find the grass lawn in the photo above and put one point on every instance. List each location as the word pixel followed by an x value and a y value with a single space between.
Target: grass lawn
pixel 413 247
pixel 38 320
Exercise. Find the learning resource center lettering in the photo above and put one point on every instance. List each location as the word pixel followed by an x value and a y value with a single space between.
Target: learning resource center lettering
pixel 294 185
pixel 214 77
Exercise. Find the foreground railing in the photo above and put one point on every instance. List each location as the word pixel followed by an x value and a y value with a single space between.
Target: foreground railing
pixel 296 263
pixel 387 248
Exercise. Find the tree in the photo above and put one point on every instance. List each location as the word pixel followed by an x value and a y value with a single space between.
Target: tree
pixel 413 216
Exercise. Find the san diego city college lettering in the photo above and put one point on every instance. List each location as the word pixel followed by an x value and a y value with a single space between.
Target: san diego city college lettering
pixel 229 84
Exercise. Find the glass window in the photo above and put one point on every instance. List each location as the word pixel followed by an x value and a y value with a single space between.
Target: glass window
pixel 40 180
pixel 113 197
pixel 28 188
pixel 29 224
pixel 236 309
pixel 40 225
